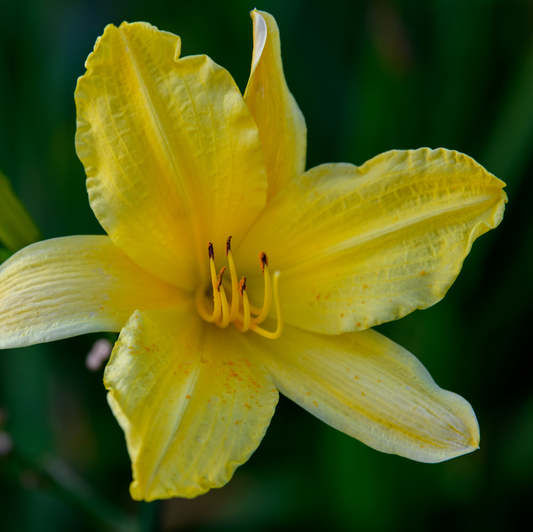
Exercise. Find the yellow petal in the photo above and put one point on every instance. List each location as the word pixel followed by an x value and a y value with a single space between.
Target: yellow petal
pixel 359 246
pixel 277 115
pixel 17 229
pixel 192 401
pixel 170 151
pixel 69 286
pixel 372 389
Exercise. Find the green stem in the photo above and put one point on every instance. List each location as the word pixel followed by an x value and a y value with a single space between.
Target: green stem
pixel 17 228
pixel 55 477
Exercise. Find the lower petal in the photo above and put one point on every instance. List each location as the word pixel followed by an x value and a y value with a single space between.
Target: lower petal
pixel 372 389
pixel 193 403
pixel 75 285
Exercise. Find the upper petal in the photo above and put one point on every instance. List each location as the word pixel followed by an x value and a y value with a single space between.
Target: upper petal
pixel 193 402
pixel 277 115
pixel 172 154
pixel 359 246
pixel 372 389
pixel 69 286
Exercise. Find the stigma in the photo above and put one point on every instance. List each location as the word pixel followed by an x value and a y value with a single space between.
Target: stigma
pixel 238 309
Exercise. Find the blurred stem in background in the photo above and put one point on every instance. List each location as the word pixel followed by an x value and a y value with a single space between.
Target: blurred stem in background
pixel 17 228
pixel 55 477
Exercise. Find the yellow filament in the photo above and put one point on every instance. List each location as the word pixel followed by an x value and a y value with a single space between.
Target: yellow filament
pixel 225 310
pixel 279 328
pixel 234 288
pixel 267 300
pixel 246 305
pixel 199 298
pixel 255 310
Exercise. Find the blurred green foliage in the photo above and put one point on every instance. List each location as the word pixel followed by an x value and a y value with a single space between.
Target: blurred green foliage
pixel 17 229
pixel 369 76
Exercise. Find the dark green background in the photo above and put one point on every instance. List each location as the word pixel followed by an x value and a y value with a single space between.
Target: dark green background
pixel 369 76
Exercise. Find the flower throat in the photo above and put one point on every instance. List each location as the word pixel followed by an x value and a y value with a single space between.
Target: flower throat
pixel 244 316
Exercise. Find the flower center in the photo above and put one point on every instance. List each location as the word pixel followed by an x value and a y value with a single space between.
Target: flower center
pixel 240 312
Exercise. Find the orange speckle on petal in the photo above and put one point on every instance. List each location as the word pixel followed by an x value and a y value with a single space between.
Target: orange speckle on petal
pixel 315 403
pixel 422 273
pixel 237 422
pixel 358 324
pixel 188 396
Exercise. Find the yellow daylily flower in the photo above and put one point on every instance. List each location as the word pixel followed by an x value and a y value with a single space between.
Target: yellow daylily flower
pixel 186 176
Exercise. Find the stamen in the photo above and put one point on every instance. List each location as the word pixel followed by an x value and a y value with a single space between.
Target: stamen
pixel 242 285
pixel 225 310
pixel 263 261
pixel 254 310
pixel 199 297
pixel 224 322
pixel 234 286
pixel 279 329
pixel 222 314
pixel 246 305
pixel 219 278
